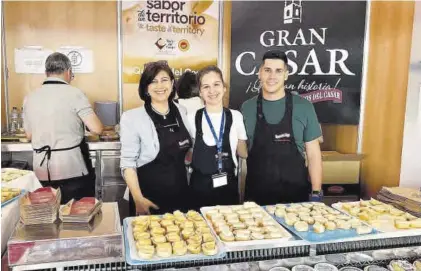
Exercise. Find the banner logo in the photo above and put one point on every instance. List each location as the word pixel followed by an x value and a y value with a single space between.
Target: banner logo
pixel 293 11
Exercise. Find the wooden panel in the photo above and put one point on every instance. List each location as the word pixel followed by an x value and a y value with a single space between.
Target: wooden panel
pixel 388 64
pixel 52 24
pixel 226 49
pixel 340 138
pixel 3 103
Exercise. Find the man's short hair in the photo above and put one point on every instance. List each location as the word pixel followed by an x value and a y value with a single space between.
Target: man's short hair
pixel 275 54
pixel 57 63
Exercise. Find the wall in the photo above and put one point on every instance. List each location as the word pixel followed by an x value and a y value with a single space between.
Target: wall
pixel 387 78
pixel 411 151
pixel 58 23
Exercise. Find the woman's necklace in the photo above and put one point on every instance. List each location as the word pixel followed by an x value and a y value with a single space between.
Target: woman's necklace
pixel 164 115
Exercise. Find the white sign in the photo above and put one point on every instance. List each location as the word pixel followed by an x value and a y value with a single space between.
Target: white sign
pixel 31 59
pixel 81 58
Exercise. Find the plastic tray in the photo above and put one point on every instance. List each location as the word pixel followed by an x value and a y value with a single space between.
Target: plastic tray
pixel 22 192
pixel 133 259
pixel 252 244
pixel 326 236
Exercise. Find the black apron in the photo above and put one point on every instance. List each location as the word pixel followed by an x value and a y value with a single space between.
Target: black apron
pixel 205 164
pixel 276 170
pixel 77 187
pixel 164 180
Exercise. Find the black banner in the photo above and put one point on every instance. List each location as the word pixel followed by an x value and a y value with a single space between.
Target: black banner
pixel 324 42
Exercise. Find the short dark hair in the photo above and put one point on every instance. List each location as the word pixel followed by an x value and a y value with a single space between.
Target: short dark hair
pixel 207 70
pixel 275 54
pixel 57 63
pixel 186 86
pixel 150 72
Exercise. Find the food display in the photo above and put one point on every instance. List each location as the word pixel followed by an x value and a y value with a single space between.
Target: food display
pixel 10 174
pixel 243 225
pixel 317 222
pixel 9 194
pixel 383 217
pixel 170 237
pixel 399 265
pixel 417 265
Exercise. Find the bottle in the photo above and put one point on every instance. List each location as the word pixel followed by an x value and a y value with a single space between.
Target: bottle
pixel 14 120
pixel 20 121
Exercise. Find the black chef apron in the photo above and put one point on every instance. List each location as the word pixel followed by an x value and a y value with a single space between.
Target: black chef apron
pixel 205 164
pixel 164 180
pixel 71 188
pixel 276 170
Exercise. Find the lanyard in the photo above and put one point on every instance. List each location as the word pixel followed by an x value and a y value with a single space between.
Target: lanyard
pixel 217 140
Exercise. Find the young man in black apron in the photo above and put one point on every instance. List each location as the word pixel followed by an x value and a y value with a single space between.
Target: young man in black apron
pixel 280 126
pixel 54 119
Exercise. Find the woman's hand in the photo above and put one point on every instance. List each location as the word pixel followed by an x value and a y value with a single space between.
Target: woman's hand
pixel 143 205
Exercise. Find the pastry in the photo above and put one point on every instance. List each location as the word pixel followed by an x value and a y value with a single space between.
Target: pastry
pixel 154 218
pixel 154 224
pixel 273 235
pixel 280 212
pixel 203 230
pixel 165 223
pixel 343 217
pixel 271 209
pixel 233 221
pixel 159 239
pixel 238 226
pixel 309 220
pixel 157 230
pixel 211 213
pixel 307 205
pixel 250 222
pixel 242 235
pixel 178 214
pixel 222 228
pixel 227 236
pixel 344 225
pixel 186 233
pixel 379 208
pixel 140 228
pixel 231 216
pixel 143 242
pixel 257 236
pixel 245 217
pixel 200 224
pixel 399 224
pixel 207 237
pixel 409 216
pixel 397 212
pixel 226 210
pixel 375 202
pixel 415 223
pixel 318 228
pixel 164 250
pixel 209 248
pixel 304 210
pixel 364 216
pixel 330 225
pixel 301 226
pixel 315 213
pixel 173 228
pixel 168 216
pixel 333 212
pixel 256 229
pixel 320 220
pixel 290 220
pixel 271 229
pixel 179 248
pixel 354 211
pixel 331 217
pixel 173 237
pixel 146 252
pixel 365 203
pixel 269 223
pixel 364 229
pixel 355 223
pixel 243 212
pixel 194 248
pixel 250 204
pixel 141 235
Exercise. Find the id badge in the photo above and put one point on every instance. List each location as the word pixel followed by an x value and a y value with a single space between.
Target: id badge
pixel 219 179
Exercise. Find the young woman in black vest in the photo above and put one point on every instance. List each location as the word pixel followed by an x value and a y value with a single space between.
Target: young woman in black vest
pixel 219 135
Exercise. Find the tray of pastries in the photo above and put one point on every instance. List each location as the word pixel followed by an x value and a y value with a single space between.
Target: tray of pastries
pixel 247 226
pixel 381 216
pixel 8 195
pixel 317 222
pixel 10 174
pixel 169 238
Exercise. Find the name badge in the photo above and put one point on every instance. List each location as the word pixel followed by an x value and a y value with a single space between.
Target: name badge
pixel 219 180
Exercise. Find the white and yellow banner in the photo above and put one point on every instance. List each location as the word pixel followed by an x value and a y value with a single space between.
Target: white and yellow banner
pixel 184 33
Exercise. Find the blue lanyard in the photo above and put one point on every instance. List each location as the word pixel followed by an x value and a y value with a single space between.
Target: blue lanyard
pixel 219 140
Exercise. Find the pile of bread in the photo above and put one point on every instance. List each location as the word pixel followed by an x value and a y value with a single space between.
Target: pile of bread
pixel 321 217
pixel 243 223
pixel 173 235
pixel 375 212
pixel 9 193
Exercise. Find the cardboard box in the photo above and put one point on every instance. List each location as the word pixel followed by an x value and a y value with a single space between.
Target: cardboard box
pixel 341 168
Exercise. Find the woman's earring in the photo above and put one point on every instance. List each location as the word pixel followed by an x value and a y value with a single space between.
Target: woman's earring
pixel 147 94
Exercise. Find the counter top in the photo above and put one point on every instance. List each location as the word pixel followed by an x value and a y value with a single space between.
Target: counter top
pixel 93 146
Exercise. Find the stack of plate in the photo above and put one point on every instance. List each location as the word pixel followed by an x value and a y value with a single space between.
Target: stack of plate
pixel 40 206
